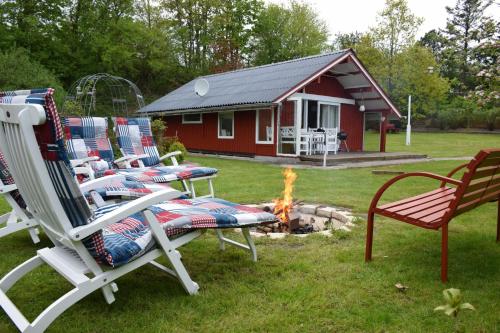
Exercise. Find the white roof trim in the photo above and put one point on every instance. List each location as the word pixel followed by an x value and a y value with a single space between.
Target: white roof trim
pixel 322 98
pixel 372 81
pixel 312 78
pixel 330 66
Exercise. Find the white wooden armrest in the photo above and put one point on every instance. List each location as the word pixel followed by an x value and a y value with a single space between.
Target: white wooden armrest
pixel 82 171
pixel 172 155
pixel 122 212
pixel 8 188
pixel 131 158
pixel 82 161
pixel 100 182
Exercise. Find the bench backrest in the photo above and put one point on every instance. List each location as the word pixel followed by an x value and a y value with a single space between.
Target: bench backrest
pixel 480 183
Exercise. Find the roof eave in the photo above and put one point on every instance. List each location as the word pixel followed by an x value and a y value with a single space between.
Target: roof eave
pixel 349 53
pixel 234 107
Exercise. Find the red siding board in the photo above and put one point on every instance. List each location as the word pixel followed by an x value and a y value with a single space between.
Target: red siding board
pixel 204 136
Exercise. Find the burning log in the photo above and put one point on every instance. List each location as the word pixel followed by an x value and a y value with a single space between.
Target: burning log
pixel 283 206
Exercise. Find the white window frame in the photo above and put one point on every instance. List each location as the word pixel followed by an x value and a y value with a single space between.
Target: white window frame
pixel 338 110
pixel 257 141
pixel 218 126
pixel 192 122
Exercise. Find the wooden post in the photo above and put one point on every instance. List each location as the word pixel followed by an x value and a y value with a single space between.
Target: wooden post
pixel 444 253
pixel 369 236
pixel 383 133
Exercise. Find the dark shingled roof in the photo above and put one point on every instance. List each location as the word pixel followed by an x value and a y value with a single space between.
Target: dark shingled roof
pixel 248 86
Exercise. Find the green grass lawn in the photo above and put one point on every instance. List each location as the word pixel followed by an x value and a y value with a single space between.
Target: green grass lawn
pixel 442 144
pixel 313 284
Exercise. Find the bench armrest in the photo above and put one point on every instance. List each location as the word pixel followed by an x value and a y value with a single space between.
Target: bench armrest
pixel 83 161
pixel 172 155
pixel 452 172
pixel 444 180
pixel 132 207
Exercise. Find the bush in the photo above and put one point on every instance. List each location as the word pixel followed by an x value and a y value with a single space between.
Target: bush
pixel 177 145
pixel 19 71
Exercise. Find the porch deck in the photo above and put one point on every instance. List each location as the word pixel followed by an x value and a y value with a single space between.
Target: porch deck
pixel 354 157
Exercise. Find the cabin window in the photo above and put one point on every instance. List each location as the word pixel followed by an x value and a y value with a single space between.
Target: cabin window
pixel 264 127
pixel 226 125
pixel 193 118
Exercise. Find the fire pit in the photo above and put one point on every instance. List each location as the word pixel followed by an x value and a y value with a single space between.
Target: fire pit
pixel 299 218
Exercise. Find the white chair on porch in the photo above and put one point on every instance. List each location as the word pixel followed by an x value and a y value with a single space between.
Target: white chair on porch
pixel 317 142
pixel 332 142
pixel 305 142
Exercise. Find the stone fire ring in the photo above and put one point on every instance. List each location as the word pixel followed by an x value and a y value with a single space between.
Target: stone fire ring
pixel 323 219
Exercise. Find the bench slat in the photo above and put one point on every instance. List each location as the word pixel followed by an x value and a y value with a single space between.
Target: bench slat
pixel 485 172
pixel 479 193
pixel 485 182
pixel 427 205
pixel 440 191
pixel 415 203
pixel 490 161
pixel 430 210
pixel 474 203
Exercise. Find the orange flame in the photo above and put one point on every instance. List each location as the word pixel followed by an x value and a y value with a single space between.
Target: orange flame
pixel 283 206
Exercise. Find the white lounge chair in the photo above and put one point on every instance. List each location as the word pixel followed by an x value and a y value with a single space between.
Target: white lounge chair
pixel 84 239
pixel 90 150
pixel 18 218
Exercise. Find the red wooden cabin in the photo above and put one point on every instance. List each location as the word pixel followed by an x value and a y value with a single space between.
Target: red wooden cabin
pixel 262 111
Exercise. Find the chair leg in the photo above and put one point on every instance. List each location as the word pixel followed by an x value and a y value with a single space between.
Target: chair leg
pixel 172 254
pixel 498 221
pixel 211 188
pixel 34 235
pixel 369 237
pixel 220 236
pixel 251 244
pixel 444 253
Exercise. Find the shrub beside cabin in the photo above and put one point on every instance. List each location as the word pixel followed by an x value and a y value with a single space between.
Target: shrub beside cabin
pixel 264 110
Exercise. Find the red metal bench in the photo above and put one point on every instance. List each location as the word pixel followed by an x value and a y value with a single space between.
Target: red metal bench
pixel 435 209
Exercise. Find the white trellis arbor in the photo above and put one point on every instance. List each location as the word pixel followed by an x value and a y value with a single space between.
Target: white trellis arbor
pixel 125 96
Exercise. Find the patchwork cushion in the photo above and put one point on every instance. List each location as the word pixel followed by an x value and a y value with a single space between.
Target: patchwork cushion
pixel 135 137
pixel 131 237
pixel 6 178
pixel 125 188
pixel 165 174
pixel 88 137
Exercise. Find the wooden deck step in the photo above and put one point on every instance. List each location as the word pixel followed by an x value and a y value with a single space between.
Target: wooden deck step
pixel 343 158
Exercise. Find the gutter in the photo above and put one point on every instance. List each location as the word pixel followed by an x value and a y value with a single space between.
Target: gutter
pixel 240 107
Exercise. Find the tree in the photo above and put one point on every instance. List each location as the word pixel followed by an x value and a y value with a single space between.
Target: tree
pixel 19 71
pixel 428 89
pixel 346 40
pixel 232 28
pixel 466 27
pixel 395 31
pixel 283 33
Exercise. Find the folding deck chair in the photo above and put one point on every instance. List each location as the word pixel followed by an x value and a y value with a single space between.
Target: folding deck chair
pixel 93 247
pixel 135 138
pixel 18 218
pixel 90 150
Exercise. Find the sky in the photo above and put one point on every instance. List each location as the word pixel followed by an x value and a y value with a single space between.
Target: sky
pixel 359 15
